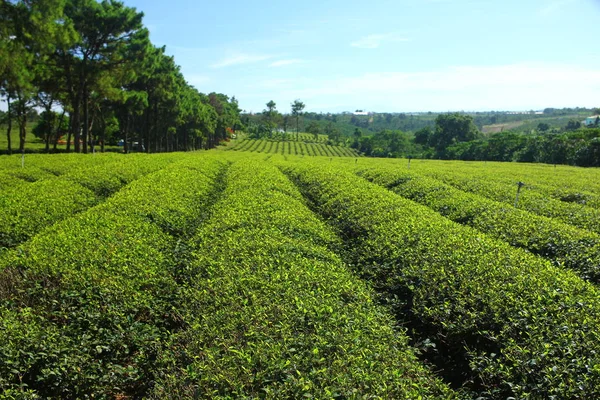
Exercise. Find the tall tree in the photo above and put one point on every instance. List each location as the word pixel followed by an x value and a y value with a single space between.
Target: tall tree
pixel 110 35
pixel 297 107
pixel 314 128
pixel 452 128
pixel 29 31
pixel 270 114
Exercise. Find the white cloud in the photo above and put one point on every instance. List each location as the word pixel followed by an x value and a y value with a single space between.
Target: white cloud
pixel 282 63
pixel 197 80
pixel 376 40
pixel 501 87
pixel 241 58
pixel 271 84
pixel 554 6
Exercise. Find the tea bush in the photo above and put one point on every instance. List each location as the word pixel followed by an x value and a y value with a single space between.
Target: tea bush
pixel 495 319
pixel 273 313
pixel 562 243
pixel 87 305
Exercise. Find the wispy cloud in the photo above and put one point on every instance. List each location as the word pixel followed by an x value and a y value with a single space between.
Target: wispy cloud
pixel 282 63
pixel 554 6
pixel 376 40
pixel 197 80
pixel 241 58
pixel 502 87
pixel 271 83
pixel 187 49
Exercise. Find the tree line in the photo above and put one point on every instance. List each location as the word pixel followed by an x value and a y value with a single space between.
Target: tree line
pixel 94 63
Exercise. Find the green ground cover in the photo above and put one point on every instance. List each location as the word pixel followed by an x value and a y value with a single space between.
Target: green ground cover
pixel 282 269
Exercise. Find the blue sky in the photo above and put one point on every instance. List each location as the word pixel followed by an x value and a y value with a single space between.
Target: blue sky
pixel 386 56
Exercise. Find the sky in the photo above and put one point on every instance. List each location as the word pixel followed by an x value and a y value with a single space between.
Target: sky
pixel 385 56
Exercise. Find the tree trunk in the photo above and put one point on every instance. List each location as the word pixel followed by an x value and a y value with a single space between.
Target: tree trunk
pixel 102 132
pixel 126 144
pixel 22 122
pixel 57 130
pixel 148 130
pixel 9 127
pixel 76 128
pixel 22 135
pixel 86 121
pixel 156 130
pixel 70 134
pixel 48 133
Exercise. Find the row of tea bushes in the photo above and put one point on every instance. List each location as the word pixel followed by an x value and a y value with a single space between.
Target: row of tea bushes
pixel 495 319
pixel 18 177
pixel 81 168
pixel 14 176
pixel 87 305
pixel 292 148
pixel 28 208
pixel 32 207
pixel 570 184
pixel 544 205
pixel 273 313
pixel 107 178
pixel 575 186
pixel 564 244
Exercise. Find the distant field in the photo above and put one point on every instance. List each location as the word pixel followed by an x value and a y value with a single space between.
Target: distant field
pixel 31 142
pixel 527 125
pixel 291 147
pixel 496 128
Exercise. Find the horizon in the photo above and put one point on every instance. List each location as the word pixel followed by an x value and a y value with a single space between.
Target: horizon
pixel 539 111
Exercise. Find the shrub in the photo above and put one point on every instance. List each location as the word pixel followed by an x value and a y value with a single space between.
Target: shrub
pixel 495 319
pixel 273 313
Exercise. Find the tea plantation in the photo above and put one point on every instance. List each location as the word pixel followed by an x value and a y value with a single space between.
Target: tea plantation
pixel 297 270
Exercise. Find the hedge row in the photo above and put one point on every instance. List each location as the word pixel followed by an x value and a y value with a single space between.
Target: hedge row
pixel 23 176
pixel 570 184
pixel 273 313
pixel 107 178
pixel 293 148
pixel 497 320
pixel 570 213
pixel 86 307
pixel 564 244
pixel 28 208
pixel 24 212
pixel 578 186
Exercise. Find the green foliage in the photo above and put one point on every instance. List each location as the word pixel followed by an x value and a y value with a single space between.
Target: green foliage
pixel 25 211
pixel 259 131
pixel 88 304
pixel 574 147
pixel 177 275
pixel 535 202
pixel 565 245
pixel 95 59
pixel 494 319
pixel 314 129
pixel 50 126
pixel 451 129
pixel 280 315
pixel 543 127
